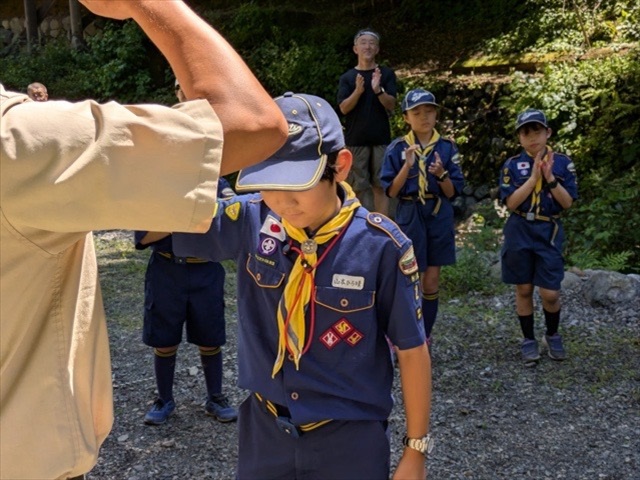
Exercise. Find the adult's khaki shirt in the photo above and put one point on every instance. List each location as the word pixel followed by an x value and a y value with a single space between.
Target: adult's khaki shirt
pixel 67 169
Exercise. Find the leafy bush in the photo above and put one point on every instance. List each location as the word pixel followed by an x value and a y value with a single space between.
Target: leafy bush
pixel 119 64
pixel 602 229
pixel 470 273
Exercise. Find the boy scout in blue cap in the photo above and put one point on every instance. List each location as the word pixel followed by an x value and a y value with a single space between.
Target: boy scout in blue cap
pixel 321 284
pixel 422 169
pixel 536 185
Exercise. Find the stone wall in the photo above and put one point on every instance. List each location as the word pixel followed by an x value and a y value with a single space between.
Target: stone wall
pixel 13 30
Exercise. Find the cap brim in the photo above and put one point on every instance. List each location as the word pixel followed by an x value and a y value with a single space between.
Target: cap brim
pixel 529 122
pixel 422 103
pixel 277 174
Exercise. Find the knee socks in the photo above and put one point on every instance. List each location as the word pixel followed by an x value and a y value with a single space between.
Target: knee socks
pixel 165 367
pixel 526 324
pixel 429 311
pixel 552 321
pixel 212 367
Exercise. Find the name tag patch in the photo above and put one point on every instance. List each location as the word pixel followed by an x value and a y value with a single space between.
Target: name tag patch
pixel 347 281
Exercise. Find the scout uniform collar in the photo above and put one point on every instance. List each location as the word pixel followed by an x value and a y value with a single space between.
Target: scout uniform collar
pixel 300 288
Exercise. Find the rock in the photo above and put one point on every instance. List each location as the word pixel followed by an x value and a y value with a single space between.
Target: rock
pixel 481 192
pixel 608 288
pixel 570 281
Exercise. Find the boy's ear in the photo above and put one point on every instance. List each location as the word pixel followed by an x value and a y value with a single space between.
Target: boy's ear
pixel 549 132
pixel 343 165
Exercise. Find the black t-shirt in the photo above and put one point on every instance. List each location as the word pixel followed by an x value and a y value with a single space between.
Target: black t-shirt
pixel 368 122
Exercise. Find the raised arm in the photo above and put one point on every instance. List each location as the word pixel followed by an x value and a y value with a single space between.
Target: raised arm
pixel 208 67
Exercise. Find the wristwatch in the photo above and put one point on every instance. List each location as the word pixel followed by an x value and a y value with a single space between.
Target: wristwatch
pixel 553 184
pixel 444 176
pixel 380 92
pixel 423 445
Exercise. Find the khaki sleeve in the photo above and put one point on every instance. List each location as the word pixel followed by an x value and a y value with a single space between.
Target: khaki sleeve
pixel 74 167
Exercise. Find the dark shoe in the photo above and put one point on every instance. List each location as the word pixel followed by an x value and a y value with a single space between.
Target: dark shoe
pixel 159 412
pixel 529 351
pixel 554 347
pixel 218 407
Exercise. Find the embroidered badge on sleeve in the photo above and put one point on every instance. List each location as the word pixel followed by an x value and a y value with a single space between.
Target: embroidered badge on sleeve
pixel 408 263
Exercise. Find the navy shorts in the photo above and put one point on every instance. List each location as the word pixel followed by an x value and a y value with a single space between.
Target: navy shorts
pixel 336 450
pixel 532 253
pixel 433 236
pixel 175 294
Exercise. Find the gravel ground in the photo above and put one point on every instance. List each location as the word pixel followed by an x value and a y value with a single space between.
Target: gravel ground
pixel 492 418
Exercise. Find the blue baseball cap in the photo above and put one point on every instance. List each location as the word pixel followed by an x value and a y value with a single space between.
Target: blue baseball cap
pixel 531 115
pixel 314 132
pixel 416 97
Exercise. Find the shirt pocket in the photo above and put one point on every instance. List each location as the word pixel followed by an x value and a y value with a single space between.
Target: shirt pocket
pixel 338 303
pixel 264 275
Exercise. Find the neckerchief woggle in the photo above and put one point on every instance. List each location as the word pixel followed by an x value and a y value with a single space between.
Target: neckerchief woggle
pixel 422 152
pixel 301 282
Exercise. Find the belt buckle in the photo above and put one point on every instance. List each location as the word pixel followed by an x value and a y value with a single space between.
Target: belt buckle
pixel 530 216
pixel 287 426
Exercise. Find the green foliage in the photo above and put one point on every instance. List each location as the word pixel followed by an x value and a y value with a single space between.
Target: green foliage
pixel 603 227
pixel 309 68
pixel 470 273
pixel 119 64
pixel 558 25
pixel 117 56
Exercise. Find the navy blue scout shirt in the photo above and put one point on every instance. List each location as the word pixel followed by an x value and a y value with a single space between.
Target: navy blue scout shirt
pixel 368 123
pixel 517 170
pixel 361 295
pixel 393 162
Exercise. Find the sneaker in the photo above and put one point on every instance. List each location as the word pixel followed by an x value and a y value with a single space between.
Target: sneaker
pixel 218 406
pixel 159 412
pixel 529 350
pixel 554 347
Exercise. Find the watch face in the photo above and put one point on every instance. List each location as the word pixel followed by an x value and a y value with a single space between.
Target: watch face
pixel 429 444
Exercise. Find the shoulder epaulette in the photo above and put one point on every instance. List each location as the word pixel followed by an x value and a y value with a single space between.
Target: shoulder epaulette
pixel 395 142
pixel 388 226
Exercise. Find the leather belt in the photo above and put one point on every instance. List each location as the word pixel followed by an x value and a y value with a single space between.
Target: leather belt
pixel 283 418
pixel 181 260
pixel 428 196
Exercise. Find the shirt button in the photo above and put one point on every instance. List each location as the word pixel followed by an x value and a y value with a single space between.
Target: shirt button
pixel 258 276
pixel 290 357
pixel 294 396
pixel 344 302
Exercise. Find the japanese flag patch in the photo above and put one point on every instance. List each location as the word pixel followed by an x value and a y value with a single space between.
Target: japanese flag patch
pixel 273 228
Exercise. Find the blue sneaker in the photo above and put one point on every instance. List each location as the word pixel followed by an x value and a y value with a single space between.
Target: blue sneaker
pixel 217 406
pixel 159 412
pixel 529 351
pixel 554 347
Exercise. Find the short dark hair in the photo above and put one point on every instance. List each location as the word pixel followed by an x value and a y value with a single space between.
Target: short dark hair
pixel 330 170
pixel 527 127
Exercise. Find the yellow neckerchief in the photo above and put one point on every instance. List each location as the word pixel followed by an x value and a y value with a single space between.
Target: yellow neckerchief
pixel 537 190
pixel 300 284
pixel 423 152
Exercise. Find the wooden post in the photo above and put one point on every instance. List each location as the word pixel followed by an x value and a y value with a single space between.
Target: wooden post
pixel 31 21
pixel 77 39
